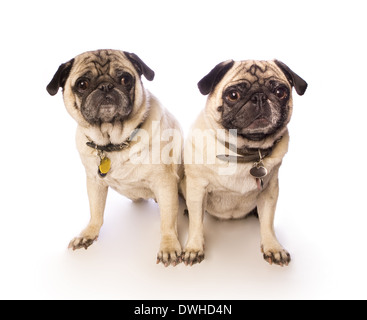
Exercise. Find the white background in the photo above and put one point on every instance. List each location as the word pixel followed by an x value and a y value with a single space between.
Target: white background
pixel 321 216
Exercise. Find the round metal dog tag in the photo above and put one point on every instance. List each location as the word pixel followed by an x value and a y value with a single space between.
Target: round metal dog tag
pixel 258 172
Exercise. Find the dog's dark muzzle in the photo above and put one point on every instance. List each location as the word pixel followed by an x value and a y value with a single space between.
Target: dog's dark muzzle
pixel 106 103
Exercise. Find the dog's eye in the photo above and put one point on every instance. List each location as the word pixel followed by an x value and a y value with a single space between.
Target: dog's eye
pixel 82 85
pixel 281 93
pixel 233 96
pixel 126 80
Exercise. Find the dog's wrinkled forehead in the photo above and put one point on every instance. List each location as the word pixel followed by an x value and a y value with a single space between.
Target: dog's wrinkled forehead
pixel 257 72
pixel 100 63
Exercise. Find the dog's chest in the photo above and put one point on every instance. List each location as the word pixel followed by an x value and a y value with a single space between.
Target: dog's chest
pixel 235 178
pixel 124 176
pixel 234 195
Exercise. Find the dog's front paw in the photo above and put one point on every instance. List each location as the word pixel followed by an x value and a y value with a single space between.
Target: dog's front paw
pixel 276 254
pixel 86 237
pixel 169 251
pixel 81 242
pixel 194 252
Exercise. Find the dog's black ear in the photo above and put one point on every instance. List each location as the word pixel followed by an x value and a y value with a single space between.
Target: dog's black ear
pixel 295 80
pixel 60 78
pixel 209 82
pixel 140 66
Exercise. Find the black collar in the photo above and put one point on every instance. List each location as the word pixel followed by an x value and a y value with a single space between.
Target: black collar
pixel 246 154
pixel 115 147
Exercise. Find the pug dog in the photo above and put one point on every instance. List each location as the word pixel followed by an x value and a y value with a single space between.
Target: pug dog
pixel 104 93
pixel 244 126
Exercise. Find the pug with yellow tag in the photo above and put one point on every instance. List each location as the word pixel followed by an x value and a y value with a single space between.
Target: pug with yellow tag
pixel 240 139
pixel 123 135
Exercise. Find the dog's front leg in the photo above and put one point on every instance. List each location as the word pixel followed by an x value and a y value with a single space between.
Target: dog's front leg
pixel 97 194
pixel 195 198
pixel 267 201
pixel 166 193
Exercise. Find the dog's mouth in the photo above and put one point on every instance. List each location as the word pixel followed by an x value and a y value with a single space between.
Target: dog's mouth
pixel 109 107
pixel 245 122
pixel 106 112
pixel 259 123
pixel 106 107
pixel 257 128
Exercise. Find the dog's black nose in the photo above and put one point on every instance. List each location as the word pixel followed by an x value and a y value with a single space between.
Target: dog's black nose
pixel 259 98
pixel 106 86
